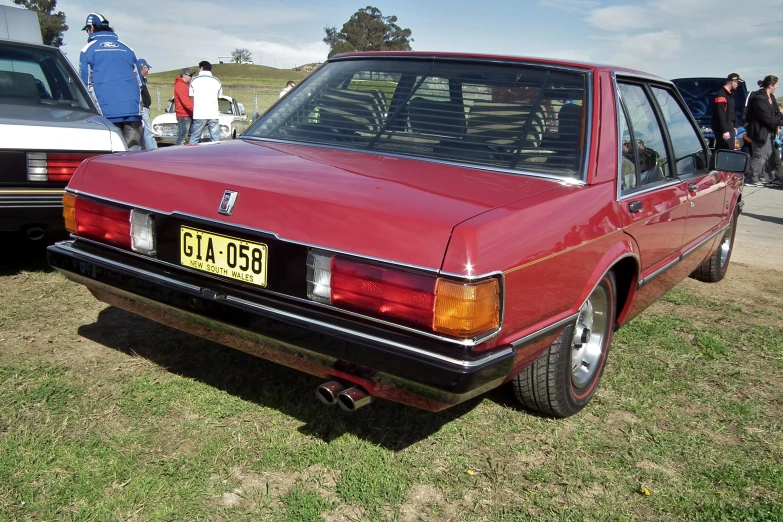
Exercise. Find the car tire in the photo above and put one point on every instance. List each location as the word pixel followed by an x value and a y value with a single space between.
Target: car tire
pixel 565 377
pixel 234 134
pixel 714 268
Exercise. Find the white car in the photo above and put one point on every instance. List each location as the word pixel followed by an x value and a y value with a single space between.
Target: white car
pixel 48 126
pixel 233 121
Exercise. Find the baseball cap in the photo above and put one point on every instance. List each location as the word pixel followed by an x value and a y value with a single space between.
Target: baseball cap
pixel 95 19
pixel 143 63
pixel 735 77
pixel 189 72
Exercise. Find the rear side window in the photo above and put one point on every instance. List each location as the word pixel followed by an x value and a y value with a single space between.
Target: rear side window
pixel 689 153
pixel 517 117
pixel 642 139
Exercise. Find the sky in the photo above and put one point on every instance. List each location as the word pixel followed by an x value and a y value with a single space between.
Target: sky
pixel 669 38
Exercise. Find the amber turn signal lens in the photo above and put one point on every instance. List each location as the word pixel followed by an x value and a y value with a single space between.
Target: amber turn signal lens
pixel 466 309
pixel 69 212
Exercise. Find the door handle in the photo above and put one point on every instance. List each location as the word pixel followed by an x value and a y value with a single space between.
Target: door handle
pixel 692 187
pixel 635 206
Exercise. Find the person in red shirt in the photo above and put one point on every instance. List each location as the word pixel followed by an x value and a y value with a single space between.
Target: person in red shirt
pixel 183 104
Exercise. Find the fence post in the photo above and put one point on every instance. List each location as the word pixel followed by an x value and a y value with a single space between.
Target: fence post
pixel 157 95
pixel 255 100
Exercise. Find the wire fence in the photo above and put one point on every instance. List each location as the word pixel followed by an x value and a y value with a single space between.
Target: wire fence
pixel 254 99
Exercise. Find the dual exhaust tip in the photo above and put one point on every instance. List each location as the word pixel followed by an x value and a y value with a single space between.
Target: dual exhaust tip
pixel 350 399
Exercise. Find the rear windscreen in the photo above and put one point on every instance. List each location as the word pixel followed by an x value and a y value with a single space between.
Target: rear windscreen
pixel 36 76
pixel 510 116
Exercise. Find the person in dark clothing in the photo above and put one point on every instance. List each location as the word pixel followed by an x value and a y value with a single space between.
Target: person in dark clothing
pixel 764 118
pixel 148 140
pixel 724 114
pixel 648 158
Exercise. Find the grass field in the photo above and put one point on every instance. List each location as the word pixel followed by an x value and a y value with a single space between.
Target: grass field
pixel 107 416
pixel 255 86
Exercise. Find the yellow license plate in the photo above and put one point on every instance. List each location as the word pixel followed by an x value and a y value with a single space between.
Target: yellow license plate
pixel 223 255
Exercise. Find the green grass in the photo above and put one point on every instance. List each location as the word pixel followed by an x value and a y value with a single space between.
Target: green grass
pixel 257 87
pixel 106 416
pixel 236 75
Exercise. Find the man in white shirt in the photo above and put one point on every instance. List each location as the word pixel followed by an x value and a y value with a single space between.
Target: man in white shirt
pixel 205 90
pixel 288 86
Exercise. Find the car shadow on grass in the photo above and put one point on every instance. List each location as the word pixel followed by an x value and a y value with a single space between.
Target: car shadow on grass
pixel 384 423
pixel 21 254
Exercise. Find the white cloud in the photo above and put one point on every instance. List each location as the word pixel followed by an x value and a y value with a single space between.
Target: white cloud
pixel 574 6
pixel 576 55
pixel 620 18
pixel 674 38
pixel 186 32
pixel 645 51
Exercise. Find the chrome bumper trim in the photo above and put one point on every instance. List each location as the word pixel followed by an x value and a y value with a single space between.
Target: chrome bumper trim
pixel 66 247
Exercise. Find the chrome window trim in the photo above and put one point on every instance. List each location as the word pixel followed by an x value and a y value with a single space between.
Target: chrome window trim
pixel 550 177
pixel 661 82
pixel 502 60
pixel 650 188
pixel 205 293
pixel 587 70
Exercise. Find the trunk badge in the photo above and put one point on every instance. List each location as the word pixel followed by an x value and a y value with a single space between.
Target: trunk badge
pixel 227 203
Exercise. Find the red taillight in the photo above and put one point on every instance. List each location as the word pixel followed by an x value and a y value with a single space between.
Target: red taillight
pixel 457 308
pixel 391 293
pixel 53 167
pixel 101 222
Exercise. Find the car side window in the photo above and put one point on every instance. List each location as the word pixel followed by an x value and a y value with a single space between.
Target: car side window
pixel 629 168
pixel 645 135
pixel 689 153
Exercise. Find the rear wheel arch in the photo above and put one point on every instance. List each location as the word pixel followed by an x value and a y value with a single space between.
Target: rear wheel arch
pixel 626 274
pixel 622 258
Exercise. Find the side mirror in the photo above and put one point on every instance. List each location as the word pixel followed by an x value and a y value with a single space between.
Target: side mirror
pixel 731 161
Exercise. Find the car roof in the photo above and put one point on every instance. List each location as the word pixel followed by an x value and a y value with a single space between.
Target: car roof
pixel 495 58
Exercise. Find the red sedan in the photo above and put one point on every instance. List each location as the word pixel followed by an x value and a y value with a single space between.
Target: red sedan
pixel 420 227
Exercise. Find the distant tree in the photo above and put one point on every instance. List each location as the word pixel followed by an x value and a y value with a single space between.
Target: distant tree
pixel 52 24
pixel 368 30
pixel 241 55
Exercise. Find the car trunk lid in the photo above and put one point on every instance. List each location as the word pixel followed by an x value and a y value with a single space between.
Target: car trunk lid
pixel 367 204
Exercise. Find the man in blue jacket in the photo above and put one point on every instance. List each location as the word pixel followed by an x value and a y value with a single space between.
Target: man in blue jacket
pixel 108 69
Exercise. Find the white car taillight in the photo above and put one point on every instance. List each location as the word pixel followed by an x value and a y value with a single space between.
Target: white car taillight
pixel 55 167
pixel 36 167
pixel 319 277
pixel 142 231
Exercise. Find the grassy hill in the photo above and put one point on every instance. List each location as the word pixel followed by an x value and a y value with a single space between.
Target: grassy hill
pixel 237 75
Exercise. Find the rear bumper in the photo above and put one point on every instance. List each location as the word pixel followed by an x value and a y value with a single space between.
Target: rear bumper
pixel 387 364
pixel 22 208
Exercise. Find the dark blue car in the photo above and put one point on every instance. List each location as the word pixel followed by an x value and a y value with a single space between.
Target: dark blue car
pixel 699 94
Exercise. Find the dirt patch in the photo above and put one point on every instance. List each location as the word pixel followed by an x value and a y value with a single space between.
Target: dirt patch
pixel 249 488
pixel 426 502
pixel 747 286
pixel 652 466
